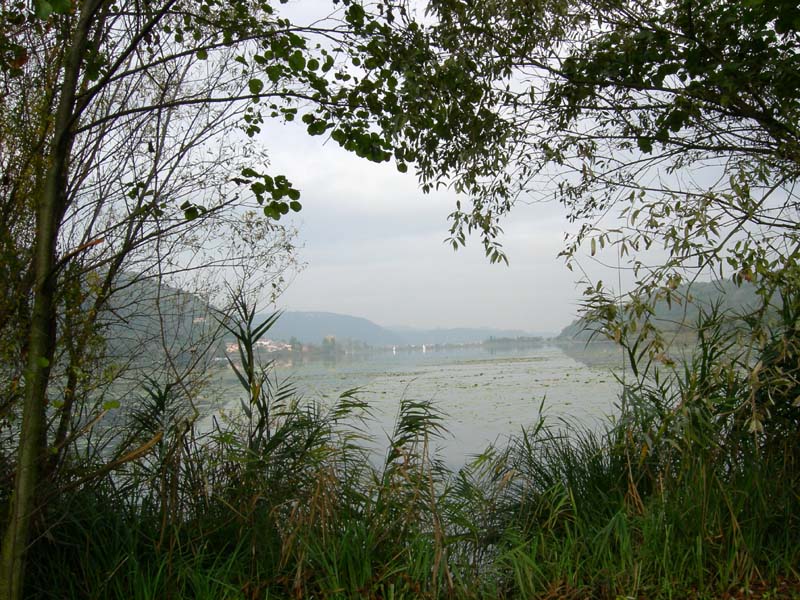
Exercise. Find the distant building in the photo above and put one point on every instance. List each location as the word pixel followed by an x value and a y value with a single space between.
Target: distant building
pixel 273 346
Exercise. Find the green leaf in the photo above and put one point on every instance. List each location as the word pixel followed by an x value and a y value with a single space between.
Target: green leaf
pixel 355 15
pixel 297 61
pixel 258 188
pixel 93 69
pixel 110 404
pixel 202 54
pixel 61 7
pixel 43 9
pixel 271 211
pixel 274 72
pixel 293 194
pixel 295 206
pixel 255 85
pixel 317 128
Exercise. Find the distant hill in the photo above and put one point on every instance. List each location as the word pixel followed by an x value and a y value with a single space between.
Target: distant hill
pixel 313 327
pixel 458 335
pixel 144 319
pixel 731 298
pixel 135 325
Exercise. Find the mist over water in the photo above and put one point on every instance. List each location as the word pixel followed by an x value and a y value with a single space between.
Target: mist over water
pixel 484 396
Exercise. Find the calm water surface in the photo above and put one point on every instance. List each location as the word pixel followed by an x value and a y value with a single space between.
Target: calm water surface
pixel 485 396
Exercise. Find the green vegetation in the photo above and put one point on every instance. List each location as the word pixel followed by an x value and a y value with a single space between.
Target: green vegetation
pixel 664 124
pixel 681 497
pixel 126 147
pixel 680 313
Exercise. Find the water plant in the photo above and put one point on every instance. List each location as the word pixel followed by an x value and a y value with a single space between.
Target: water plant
pixel 678 497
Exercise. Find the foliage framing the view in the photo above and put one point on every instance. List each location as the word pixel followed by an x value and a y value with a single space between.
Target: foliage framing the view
pixel 102 102
pixel 615 99
pixel 668 124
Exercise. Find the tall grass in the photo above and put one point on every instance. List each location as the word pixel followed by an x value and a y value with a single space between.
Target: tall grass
pixel 683 496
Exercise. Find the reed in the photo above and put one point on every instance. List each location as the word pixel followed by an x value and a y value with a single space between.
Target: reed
pixel 680 497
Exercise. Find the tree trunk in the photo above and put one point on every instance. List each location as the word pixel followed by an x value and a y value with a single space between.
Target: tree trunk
pixel 42 330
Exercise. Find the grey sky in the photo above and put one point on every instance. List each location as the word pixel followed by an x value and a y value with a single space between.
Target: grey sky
pixel 373 244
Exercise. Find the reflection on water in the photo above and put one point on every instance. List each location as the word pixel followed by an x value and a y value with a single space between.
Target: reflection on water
pixel 599 354
pixel 485 395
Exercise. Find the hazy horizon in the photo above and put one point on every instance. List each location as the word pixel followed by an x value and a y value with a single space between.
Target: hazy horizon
pixel 373 245
pixel 401 327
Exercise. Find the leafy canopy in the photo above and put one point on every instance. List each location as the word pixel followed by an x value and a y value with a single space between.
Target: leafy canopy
pixel 656 123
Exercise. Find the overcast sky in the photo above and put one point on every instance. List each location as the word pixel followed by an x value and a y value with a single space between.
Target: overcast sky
pixel 373 244
pixel 374 247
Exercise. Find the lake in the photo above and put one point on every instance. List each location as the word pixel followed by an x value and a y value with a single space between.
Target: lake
pixel 485 395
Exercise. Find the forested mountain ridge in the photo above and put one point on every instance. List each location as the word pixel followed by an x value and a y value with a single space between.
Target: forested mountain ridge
pixel 148 319
pixel 730 298
pixel 313 326
pixel 145 316
pixel 460 335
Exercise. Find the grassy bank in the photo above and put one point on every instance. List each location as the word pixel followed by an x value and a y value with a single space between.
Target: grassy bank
pixel 694 492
